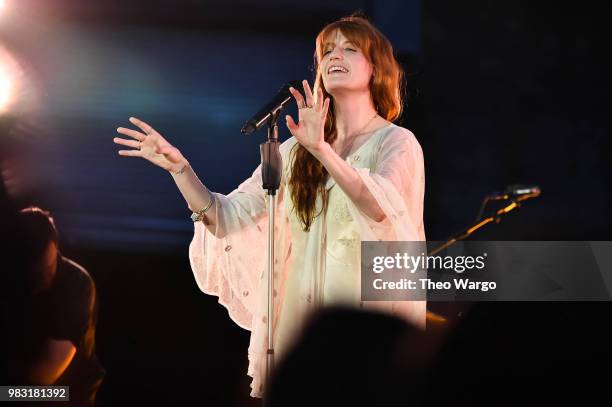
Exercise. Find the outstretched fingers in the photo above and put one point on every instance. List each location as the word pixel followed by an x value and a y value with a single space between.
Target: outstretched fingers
pixel 291 125
pixel 131 133
pixel 319 102
pixel 299 99
pixel 130 153
pixel 308 92
pixel 127 143
pixel 142 125
pixel 325 107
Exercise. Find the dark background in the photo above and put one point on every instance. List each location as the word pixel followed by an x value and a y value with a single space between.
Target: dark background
pixel 500 92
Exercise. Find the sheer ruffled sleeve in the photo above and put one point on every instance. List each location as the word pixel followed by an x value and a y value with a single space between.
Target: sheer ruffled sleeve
pixel 396 179
pixel 228 260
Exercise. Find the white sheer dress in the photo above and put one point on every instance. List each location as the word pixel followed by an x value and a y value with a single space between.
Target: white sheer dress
pixel 314 268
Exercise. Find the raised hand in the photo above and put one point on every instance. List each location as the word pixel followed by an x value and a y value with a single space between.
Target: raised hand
pixel 150 145
pixel 309 131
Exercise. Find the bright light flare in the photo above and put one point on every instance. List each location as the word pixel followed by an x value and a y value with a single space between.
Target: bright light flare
pixel 11 81
pixel 5 91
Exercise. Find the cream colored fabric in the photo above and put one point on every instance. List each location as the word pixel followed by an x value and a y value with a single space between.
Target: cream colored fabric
pixel 316 268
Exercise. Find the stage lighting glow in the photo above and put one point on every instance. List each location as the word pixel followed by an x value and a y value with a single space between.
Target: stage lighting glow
pixel 10 80
pixel 5 91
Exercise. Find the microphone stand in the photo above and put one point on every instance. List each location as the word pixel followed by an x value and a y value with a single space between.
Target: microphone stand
pixel 271 166
pixel 496 217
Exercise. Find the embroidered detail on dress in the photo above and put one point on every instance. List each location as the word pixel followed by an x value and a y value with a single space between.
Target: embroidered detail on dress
pixel 347 242
pixel 342 214
pixel 228 248
pixel 356 158
pixel 309 298
pixel 245 293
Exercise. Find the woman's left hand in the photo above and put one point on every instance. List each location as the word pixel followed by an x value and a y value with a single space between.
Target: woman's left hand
pixel 309 131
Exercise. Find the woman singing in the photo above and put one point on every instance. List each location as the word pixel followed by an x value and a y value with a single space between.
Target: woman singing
pixel 349 174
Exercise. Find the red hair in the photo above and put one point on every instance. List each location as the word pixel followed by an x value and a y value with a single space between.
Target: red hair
pixel 308 176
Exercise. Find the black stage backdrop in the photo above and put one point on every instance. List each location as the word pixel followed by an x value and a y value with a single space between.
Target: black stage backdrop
pixel 515 92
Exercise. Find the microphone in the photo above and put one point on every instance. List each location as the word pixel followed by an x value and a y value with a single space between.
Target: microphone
pixel 274 106
pixel 517 191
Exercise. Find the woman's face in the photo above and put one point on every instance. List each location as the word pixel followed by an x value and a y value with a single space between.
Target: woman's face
pixel 343 66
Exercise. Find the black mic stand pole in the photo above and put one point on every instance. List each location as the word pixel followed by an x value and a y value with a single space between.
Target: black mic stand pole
pixel 271 165
pixel 514 203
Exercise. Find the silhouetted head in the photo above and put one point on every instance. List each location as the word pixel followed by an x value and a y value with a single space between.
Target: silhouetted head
pixel 40 246
pixel 350 357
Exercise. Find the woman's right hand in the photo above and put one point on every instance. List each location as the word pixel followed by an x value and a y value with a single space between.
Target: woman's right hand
pixel 151 146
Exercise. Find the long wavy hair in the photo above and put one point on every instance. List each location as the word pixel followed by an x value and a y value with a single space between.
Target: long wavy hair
pixel 308 175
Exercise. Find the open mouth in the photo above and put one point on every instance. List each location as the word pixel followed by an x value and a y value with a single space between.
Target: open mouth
pixel 334 69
